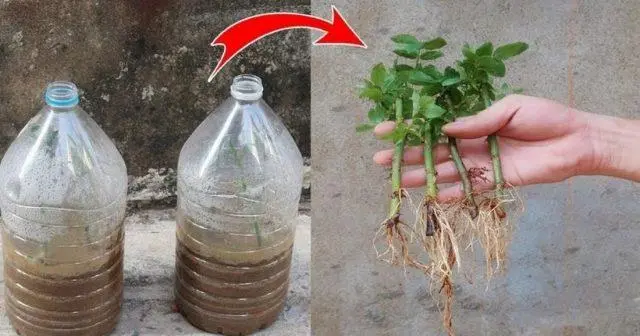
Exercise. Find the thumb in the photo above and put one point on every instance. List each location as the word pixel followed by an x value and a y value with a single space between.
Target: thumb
pixel 487 122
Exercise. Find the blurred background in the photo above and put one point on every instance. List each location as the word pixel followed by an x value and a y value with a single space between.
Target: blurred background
pixel 574 262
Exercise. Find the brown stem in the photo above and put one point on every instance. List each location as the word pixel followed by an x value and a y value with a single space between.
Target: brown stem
pixel 464 177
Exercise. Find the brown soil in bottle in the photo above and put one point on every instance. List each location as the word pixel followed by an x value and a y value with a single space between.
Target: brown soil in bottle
pixel 46 296
pixel 231 299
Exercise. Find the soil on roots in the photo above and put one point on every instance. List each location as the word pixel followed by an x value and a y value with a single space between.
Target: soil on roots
pixel 478 174
pixel 452 235
pixel 494 228
pixel 447 291
pixel 445 234
pixel 398 238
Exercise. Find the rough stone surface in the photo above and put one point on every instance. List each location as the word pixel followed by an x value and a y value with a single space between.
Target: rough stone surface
pixel 157 189
pixel 142 67
pixel 148 272
pixel 574 265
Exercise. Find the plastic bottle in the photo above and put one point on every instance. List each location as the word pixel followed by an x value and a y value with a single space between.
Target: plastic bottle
pixel 239 183
pixel 63 197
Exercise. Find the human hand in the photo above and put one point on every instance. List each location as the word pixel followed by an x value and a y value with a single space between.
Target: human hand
pixel 541 141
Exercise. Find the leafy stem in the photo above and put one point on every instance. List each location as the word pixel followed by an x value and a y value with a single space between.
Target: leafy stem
pixel 464 176
pixel 460 167
pixel 494 149
pixel 429 165
pixel 396 172
pixel 438 96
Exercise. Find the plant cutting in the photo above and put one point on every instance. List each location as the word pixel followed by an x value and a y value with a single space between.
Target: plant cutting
pixel 415 88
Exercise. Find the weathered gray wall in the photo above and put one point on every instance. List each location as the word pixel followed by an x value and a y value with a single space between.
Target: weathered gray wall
pixel 575 261
pixel 143 65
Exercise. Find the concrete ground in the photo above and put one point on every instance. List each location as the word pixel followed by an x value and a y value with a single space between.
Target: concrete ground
pixel 575 261
pixel 148 293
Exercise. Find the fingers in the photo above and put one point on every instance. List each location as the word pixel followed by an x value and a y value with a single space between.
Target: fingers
pixel 447 173
pixel 487 122
pixel 413 178
pixel 387 127
pixel 412 155
pixel 384 128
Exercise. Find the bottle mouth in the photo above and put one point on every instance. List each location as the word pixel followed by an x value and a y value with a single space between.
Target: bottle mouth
pixel 61 94
pixel 247 87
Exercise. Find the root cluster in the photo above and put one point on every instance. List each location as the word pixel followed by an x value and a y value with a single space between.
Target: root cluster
pixel 441 234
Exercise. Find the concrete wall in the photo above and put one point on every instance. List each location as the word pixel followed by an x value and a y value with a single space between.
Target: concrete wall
pixel 143 65
pixel 575 261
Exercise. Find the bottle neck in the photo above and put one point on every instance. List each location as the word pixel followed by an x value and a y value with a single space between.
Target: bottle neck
pixel 247 101
pixel 62 97
pixel 247 89
pixel 69 109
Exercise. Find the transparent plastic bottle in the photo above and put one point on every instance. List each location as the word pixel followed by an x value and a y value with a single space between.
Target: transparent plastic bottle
pixel 63 197
pixel 239 183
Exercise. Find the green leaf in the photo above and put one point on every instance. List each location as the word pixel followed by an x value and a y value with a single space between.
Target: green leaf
pixel 451 77
pixel 364 128
pixel 410 50
pixel 415 99
pixel 418 122
pixel 403 71
pixel 387 102
pixel 462 72
pixel 486 49
pixel 509 50
pixel 451 81
pixel 372 93
pixel 450 72
pixel 432 72
pixel 468 102
pixel 435 111
pixel 455 95
pixel 390 83
pixel 430 55
pixel 378 74
pixel 402 67
pixel 421 78
pixel 492 94
pixel 399 133
pixel 436 129
pixel 431 89
pixel 468 52
pixel 475 108
pixel 407 106
pixel 405 39
pixel 413 139
pixel 376 115
pixel 406 54
pixel 517 90
pixel 425 102
pixel 436 43
pixel 492 65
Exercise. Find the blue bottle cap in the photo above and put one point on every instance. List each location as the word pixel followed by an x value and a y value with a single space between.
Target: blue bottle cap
pixel 61 94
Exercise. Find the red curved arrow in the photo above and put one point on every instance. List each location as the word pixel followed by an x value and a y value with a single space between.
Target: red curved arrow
pixel 241 34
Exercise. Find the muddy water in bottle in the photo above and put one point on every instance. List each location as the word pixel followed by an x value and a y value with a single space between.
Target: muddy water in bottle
pixel 63 197
pixel 239 183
